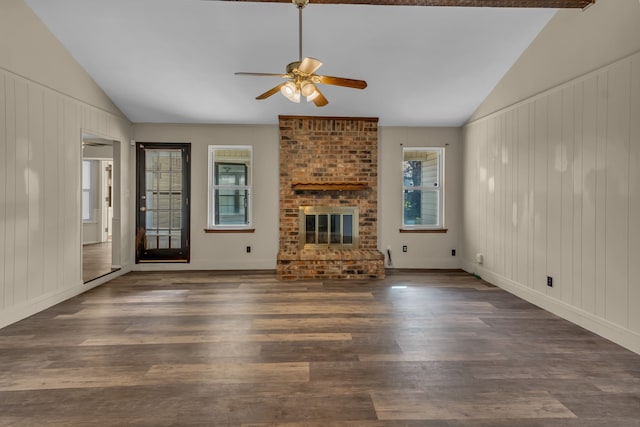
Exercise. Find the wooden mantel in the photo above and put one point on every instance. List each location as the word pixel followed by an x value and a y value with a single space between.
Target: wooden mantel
pixel 329 186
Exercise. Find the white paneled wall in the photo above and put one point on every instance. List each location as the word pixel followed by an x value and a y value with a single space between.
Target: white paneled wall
pixel 40 217
pixel 552 188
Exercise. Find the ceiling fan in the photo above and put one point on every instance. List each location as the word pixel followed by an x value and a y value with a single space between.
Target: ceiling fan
pixel 301 77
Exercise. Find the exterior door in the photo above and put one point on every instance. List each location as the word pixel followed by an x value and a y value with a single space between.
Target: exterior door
pixel 163 202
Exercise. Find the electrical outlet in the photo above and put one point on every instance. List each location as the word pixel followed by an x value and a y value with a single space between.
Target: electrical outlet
pixel 453 252
pixel 404 248
pixel 550 281
pixel 248 249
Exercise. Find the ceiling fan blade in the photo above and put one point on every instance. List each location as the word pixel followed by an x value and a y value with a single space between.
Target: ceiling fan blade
pixel 309 65
pixel 320 100
pixel 271 91
pixel 284 76
pixel 341 81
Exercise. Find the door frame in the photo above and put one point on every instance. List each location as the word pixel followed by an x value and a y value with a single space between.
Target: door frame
pixel 186 199
pixel 116 156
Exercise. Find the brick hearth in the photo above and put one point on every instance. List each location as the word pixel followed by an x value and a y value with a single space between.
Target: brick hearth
pixel 340 154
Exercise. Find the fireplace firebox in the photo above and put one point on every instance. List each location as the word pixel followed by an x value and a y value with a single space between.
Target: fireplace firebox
pixel 334 227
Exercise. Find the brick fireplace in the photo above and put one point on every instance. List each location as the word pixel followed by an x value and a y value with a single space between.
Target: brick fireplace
pixel 329 166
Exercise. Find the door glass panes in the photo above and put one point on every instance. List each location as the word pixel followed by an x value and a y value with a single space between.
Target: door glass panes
pixel 176 202
pixel 164 201
pixel 176 219
pixel 163 198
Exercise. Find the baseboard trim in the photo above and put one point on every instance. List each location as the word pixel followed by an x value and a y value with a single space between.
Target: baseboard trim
pixel 219 272
pixel 616 333
pixel 15 314
pixel 391 270
pixel 199 266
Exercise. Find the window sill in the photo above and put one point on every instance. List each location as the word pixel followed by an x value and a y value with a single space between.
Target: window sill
pixel 229 230
pixel 424 230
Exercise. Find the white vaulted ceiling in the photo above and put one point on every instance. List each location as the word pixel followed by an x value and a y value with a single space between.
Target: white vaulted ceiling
pixel 174 60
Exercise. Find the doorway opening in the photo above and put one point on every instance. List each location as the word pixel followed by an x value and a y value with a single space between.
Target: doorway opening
pixel 100 199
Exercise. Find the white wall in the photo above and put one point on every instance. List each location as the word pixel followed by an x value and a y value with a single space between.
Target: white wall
pixel 552 188
pixel 226 251
pixel 28 48
pixel 423 250
pixel 40 164
pixel 573 43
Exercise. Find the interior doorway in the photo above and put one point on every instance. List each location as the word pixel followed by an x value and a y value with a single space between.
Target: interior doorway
pixel 99 163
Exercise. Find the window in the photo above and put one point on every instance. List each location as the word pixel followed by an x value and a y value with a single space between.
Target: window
pixel 422 187
pixel 88 189
pixel 230 185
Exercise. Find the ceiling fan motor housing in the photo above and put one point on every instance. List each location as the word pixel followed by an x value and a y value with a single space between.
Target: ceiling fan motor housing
pixel 292 66
pixel 300 3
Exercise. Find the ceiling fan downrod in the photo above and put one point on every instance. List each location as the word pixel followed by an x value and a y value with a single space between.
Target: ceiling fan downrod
pixel 300 4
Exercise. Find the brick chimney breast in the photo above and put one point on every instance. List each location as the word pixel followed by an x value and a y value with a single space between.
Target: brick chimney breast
pixel 328 162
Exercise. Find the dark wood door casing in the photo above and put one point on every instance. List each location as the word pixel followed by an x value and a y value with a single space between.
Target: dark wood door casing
pixel 174 252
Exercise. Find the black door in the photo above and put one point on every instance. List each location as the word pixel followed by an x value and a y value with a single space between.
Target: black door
pixel 162 222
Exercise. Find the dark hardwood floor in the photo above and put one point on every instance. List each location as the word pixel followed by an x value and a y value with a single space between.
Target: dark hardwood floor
pixel 96 260
pixel 205 348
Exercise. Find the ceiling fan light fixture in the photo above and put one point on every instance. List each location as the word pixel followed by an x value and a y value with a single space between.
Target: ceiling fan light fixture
pixel 313 95
pixel 307 88
pixel 291 92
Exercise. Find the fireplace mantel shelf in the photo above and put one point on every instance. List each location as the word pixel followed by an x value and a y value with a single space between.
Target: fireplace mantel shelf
pixel 329 186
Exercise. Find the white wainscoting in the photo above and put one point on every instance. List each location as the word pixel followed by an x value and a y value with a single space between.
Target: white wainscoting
pixel 552 188
pixel 40 225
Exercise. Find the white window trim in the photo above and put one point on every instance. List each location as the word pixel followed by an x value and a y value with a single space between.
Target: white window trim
pixel 441 190
pixel 211 187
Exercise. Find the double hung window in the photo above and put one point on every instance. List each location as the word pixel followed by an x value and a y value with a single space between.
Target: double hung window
pixel 230 185
pixel 422 188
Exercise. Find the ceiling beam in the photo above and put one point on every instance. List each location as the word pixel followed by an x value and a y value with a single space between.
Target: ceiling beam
pixel 554 4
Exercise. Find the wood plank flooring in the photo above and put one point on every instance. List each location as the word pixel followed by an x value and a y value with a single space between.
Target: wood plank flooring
pixel 212 349
pixel 96 260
